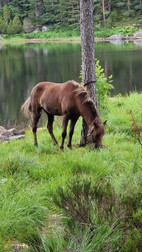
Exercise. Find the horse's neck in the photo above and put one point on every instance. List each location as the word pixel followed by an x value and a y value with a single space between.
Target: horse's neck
pixel 89 112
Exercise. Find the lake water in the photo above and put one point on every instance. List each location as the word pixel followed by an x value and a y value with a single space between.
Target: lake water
pixel 23 66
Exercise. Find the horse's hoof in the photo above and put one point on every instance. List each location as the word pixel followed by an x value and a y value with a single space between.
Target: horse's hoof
pixel 69 146
pixel 61 148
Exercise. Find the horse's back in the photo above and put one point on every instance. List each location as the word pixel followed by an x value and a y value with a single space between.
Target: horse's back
pixel 55 98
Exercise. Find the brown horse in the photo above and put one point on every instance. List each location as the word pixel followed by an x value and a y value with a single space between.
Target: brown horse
pixel 69 100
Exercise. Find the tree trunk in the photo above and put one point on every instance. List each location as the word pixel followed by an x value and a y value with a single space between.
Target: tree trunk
pixel 109 6
pixel 141 7
pixel 103 10
pixel 88 54
pixel 128 2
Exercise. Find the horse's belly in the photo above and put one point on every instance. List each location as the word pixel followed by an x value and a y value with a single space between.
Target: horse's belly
pixel 54 111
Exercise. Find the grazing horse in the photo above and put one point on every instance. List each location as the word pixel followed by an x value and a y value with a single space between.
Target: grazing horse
pixel 69 100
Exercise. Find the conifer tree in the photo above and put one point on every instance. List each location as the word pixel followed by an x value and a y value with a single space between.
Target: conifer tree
pixel 6 14
pixel 10 28
pixel 16 25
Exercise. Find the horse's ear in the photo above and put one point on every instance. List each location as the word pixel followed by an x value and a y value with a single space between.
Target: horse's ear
pixel 105 122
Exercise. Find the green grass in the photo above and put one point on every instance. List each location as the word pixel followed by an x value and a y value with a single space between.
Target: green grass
pixel 65 34
pixel 37 186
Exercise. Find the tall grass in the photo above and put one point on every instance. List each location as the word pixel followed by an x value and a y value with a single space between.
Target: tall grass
pixel 32 178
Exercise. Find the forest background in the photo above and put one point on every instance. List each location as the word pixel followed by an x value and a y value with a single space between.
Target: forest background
pixel 17 16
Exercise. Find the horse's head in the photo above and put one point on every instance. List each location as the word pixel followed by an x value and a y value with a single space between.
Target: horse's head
pixel 96 132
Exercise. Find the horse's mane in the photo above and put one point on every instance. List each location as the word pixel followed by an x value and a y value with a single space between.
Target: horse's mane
pixel 86 99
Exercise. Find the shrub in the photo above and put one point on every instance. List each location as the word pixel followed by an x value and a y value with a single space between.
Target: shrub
pixel 16 25
pixel 10 28
pixel 113 18
pixel 3 26
pixel 103 84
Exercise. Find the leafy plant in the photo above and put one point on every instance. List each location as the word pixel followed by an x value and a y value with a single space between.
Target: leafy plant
pixel 136 130
pixel 103 84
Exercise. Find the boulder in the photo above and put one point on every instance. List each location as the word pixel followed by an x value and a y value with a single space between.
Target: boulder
pixel 137 34
pixel 45 28
pixel 116 37
pixel 36 30
pixel 28 26
pixel 2 130
pixel 11 134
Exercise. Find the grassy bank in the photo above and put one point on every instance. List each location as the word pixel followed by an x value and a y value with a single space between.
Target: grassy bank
pixel 74 35
pixel 77 200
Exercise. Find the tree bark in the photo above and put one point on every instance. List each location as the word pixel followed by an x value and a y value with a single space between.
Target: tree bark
pixel 103 10
pixel 141 7
pixel 109 6
pixel 88 55
pixel 128 2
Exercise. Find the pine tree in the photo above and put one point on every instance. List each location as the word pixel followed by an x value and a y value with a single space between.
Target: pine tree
pixel 10 28
pixel 16 25
pixel 6 14
pixel 3 25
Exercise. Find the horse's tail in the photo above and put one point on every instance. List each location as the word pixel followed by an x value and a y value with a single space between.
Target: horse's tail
pixel 26 108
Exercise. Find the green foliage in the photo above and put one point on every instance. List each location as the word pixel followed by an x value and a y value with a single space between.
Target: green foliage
pixel 16 25
pixel 103 85
pixel 10 28
pixel 88 205
pixel 66 14
pixel 6 14
pixel 123 30
pixel 98 193
pixel 3 25
pixel 113 18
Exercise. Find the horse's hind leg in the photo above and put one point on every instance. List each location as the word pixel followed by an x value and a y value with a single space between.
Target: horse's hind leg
pixel 72 125
pixel 64 132
pixel 35 119
pixel 50 127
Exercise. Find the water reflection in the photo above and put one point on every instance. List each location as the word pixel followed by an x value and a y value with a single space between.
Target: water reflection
pixel 22 66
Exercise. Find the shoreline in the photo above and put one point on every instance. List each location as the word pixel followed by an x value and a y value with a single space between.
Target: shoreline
pixel 70 39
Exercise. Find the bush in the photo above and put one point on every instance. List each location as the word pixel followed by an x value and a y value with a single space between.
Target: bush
pixel 88 205
pixel 10 28
pixel 103 84
pixel 113 18
pixel 16 25
pixel 3 26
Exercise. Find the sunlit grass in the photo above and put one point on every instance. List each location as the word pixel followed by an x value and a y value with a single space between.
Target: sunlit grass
pixel 30 176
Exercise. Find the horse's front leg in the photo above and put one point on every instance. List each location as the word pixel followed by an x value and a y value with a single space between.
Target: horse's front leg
pixel 72 125
pixel 35 119
pixel 64 131
pixel 50 127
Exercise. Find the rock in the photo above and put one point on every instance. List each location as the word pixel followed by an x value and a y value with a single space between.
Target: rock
pixel 28 26
pixel 2 130
pixel 19 247
pixel 45 28
pixel 11 134
pixel 116 37
pixel 137 34
pixel 16 137
pixel 36 30
pixel 3 138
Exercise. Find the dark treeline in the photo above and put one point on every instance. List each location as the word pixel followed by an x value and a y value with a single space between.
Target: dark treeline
pixel 63 13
